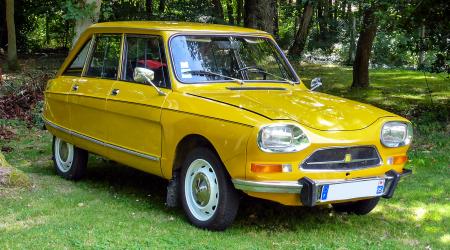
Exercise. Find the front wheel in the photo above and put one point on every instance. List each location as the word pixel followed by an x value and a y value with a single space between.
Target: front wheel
pixel 69 161
pixel 361 207
pixel 207 194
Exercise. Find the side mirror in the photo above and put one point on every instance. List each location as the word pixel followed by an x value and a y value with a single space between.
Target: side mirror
pixel 143 75
pixel 316 83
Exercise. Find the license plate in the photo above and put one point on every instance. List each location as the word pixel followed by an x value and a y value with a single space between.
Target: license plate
pixel 352 190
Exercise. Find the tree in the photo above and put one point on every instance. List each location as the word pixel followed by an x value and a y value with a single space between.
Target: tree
pixel 13 63
pixel 364 48
pixel 239 11
pixel 260 14
pixel 302 32
pixel 250 16
pixel 217 9
pixel 149 8
pixel 351 20
pixel 162 6
pixel 230 12
pixel 84 13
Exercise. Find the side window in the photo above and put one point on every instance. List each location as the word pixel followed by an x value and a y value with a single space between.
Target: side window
pixel 146 52
pixel 76 66
pixel 104 61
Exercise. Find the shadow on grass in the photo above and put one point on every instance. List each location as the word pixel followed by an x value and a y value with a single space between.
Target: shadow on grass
pixel 394 220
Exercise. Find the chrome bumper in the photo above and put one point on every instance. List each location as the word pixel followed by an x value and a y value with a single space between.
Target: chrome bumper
pixel 308 189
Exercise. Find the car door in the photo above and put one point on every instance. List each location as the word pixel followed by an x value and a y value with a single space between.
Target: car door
pixel 88 97
pixel 57 93
pixel 134 109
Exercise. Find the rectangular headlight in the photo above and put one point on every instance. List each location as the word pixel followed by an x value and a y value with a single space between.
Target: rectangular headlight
pixel 282 138
pixel 396 134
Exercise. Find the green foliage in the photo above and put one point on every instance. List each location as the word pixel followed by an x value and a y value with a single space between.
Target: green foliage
pixel 391 48
pixel 76 10
pixel 36 114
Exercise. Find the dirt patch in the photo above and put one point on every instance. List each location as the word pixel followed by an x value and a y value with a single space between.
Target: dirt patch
pixel 6 133
pixel 4 176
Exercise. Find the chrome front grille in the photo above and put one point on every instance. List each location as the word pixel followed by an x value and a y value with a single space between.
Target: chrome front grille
pixel 342 158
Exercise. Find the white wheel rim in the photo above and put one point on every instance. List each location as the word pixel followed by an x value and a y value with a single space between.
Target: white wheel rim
pixel 201 190
pixel 63 155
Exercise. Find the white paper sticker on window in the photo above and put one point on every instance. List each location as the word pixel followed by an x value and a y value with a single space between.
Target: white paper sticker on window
pixel 184 65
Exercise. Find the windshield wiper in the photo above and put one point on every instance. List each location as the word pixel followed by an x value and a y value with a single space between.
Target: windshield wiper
pixel 206 72
pixel 260 70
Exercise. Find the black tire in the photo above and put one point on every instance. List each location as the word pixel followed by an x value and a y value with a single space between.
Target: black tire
pixel 361 207
pixel 228 198
pixel 78 161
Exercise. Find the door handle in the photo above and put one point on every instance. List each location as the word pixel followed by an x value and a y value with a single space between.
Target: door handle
pixel 115 92
pixel 75 88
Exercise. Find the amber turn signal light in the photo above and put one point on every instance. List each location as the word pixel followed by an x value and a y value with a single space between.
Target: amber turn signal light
pixel 400 159
pixel 267 168
pixel 397 160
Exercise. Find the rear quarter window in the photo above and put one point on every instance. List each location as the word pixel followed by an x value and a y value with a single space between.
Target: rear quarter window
pixel 76 66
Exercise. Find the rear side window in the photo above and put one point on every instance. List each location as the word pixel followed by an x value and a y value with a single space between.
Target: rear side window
pixel 146 52
pixel 76 66
pixel 104 61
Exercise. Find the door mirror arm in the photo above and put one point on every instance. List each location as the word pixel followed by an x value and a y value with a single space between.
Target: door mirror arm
pixel 143 75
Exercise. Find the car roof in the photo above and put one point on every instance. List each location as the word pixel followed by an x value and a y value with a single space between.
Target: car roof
pixel 176 26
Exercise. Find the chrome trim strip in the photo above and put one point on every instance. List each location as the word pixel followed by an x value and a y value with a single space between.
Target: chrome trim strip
pixel 339 170
pixel 148 157
pixel 292 187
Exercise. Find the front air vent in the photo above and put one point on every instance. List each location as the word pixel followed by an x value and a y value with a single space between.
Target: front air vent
pixel 342 158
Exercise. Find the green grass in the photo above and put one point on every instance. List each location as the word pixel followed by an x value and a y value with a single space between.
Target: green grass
pixel 118 207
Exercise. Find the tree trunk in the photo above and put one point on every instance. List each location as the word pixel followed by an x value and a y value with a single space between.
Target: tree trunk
pixel 364 48
pixel 84 23
pixel 230 12
pixel 149 8
pixel 162 6
pixel 259 14
pixel 276 28
pixel 250 17
pixel 351 19
pixel 217 9
pixel 3 28
pixel 13 63
pixel 421 47
pixel 302 33
pixel 239 12
pixel 266 15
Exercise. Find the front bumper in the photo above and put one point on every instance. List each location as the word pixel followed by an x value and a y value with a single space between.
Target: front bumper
pixel 309 190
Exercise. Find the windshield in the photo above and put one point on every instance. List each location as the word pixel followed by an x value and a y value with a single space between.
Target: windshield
pixel 203 58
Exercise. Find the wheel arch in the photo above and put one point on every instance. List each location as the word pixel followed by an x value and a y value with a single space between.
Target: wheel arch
pixel 188 143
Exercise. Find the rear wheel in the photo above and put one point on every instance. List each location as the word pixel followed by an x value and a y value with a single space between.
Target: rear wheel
pixel 207 194
pixel 69 161
pixel 361 207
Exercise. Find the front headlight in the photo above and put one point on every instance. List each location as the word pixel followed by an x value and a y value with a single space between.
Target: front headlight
pixel 396 134
pixel 282 138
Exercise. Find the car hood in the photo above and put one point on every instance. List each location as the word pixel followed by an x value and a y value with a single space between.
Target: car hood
pixel 312 109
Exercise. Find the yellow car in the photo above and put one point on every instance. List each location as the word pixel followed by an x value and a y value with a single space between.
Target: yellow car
pixel 218 111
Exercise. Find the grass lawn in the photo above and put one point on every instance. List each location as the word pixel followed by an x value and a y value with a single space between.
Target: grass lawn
pixel 118 207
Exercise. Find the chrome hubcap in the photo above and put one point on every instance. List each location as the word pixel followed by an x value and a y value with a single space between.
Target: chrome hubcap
pixel 64 153
pixel 201 189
